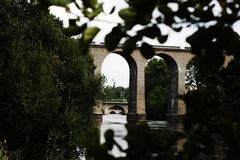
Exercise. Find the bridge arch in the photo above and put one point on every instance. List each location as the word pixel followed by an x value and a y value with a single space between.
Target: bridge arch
pixel 132 99
pixel 100 55
pixel 116 109
pixel 116 69
pixel 112 107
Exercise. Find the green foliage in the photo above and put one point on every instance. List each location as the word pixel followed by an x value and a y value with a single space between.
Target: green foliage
pixel 115 94
pixel 90 33
pixel 156 89
pixel 47 85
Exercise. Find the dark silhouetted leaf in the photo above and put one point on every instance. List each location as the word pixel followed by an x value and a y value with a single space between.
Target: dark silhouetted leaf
pixel 150 32
pixel 147 51
pixel 72 22
pixel 113 9
pixel 162 38
pixel 159 19
pixel 113 38
pixel 143 6
pixel 74 30
pixel 129 45
pixel 177 29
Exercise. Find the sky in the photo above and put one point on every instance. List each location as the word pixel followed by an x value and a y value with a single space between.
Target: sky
pixel 114 67
pixel 119 73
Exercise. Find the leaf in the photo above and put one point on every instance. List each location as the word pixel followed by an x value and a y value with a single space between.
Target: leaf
pixel 92 14
pixel 177 29
pixel 74 30
pixel 147 50
pixel 162 38
pixel 113 38
pixel 69 1
pixel 143 6
pixel 90 33
pixel 90 3
pixel 72 22
pixel 62 3
pixel 159 19
pixel 127 14
pixel 150 32
pixel 129 45
pixel 113 9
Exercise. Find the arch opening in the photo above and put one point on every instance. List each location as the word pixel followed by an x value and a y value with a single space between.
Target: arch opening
pixel 117 110
pixel 120 71
pixel 116 70
pixel 161 87
pixel 113 112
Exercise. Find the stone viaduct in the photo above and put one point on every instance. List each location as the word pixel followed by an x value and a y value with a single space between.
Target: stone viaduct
pixel 175 57
pixel 111 107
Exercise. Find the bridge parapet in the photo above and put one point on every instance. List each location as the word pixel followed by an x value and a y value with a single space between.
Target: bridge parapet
pixel 120 103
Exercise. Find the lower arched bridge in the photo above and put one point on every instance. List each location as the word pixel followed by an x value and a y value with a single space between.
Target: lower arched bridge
pixel 111 107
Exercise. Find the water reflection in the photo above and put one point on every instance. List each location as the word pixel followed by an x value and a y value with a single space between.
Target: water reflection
pixel 117 123
pixel 157 124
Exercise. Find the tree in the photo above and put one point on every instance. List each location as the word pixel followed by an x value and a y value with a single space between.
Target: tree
pixel 193 78
pixel 47 85
pixel 117 94
pixel 156 89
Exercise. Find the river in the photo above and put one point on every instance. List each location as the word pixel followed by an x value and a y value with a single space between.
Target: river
pixel 117 123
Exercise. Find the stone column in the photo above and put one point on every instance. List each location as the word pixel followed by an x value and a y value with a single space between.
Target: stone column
pixel 181 89
pixel 140 113
pixel 99 54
